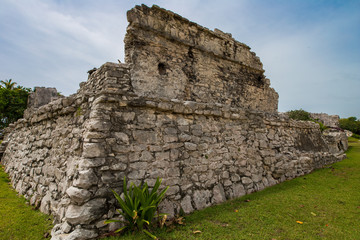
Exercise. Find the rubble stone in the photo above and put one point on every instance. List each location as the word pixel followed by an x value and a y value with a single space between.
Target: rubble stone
pixel 78 195
pixel 85 213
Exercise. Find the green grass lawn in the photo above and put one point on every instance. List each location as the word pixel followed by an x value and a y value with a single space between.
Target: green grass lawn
pixel 17 219
pixel 326 202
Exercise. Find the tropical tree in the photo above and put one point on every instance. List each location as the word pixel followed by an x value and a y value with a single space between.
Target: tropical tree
pixel 13 102
pixel 8 84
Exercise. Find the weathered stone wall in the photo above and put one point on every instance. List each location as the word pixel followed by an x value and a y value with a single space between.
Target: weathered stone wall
pixel 174 58
pixel 326 119
pixel 43 151
pixel 337 140
pixel 42 96
pixel 205 153
pixel 47 152
pixel 67 155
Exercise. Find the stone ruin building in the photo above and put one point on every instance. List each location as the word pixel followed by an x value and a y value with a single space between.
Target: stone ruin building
pixel 190 105
pixel 42 96
pixel 328 120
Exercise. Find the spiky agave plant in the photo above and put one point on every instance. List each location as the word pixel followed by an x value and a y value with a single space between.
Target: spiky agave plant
pixel 139 206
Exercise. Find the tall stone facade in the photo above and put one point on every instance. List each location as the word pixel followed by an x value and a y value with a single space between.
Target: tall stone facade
pixel 190 106
pixel 173 58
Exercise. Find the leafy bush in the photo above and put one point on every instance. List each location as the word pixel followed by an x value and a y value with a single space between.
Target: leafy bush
pixel 351 124
pixel 299 115
pixel 139 206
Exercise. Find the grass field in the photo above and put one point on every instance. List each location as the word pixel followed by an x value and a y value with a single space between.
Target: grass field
pixel 322 205
pixel 18 220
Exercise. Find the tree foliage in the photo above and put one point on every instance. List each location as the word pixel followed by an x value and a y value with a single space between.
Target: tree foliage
pixel 13 102
pixel 8 84
pixel 352 124
pixel 299 115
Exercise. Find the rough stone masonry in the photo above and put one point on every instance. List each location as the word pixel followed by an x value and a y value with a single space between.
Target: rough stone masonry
pixel 190 105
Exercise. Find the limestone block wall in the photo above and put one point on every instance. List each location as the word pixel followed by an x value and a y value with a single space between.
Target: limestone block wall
pixel 109 77
pixel 42 96
pixel 174 58
pixel 336 140
pixel 47 151
pixel 43 151
pixel 326 119
pixel 206 153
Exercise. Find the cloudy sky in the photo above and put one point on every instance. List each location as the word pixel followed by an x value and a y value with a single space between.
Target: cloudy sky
pixel 310 48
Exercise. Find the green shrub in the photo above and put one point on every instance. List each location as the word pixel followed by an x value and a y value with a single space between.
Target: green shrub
pixel 139 206
pixel 351 124
pixel 299 115
pixel 356 136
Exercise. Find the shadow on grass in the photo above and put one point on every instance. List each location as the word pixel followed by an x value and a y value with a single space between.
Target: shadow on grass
pixel 3 177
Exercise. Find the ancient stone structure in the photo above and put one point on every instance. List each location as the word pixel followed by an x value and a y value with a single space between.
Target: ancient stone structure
pixel 336 140
pixel 174 58
pixel 41 96
pixel 190 106
pixel 327 120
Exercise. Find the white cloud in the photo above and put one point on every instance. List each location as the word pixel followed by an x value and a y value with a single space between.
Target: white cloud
pixel 58 47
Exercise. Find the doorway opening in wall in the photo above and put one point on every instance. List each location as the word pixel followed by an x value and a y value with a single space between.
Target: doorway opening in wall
pixel 162 68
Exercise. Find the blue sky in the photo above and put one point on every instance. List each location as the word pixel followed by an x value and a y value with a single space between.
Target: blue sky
pixel 310 48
